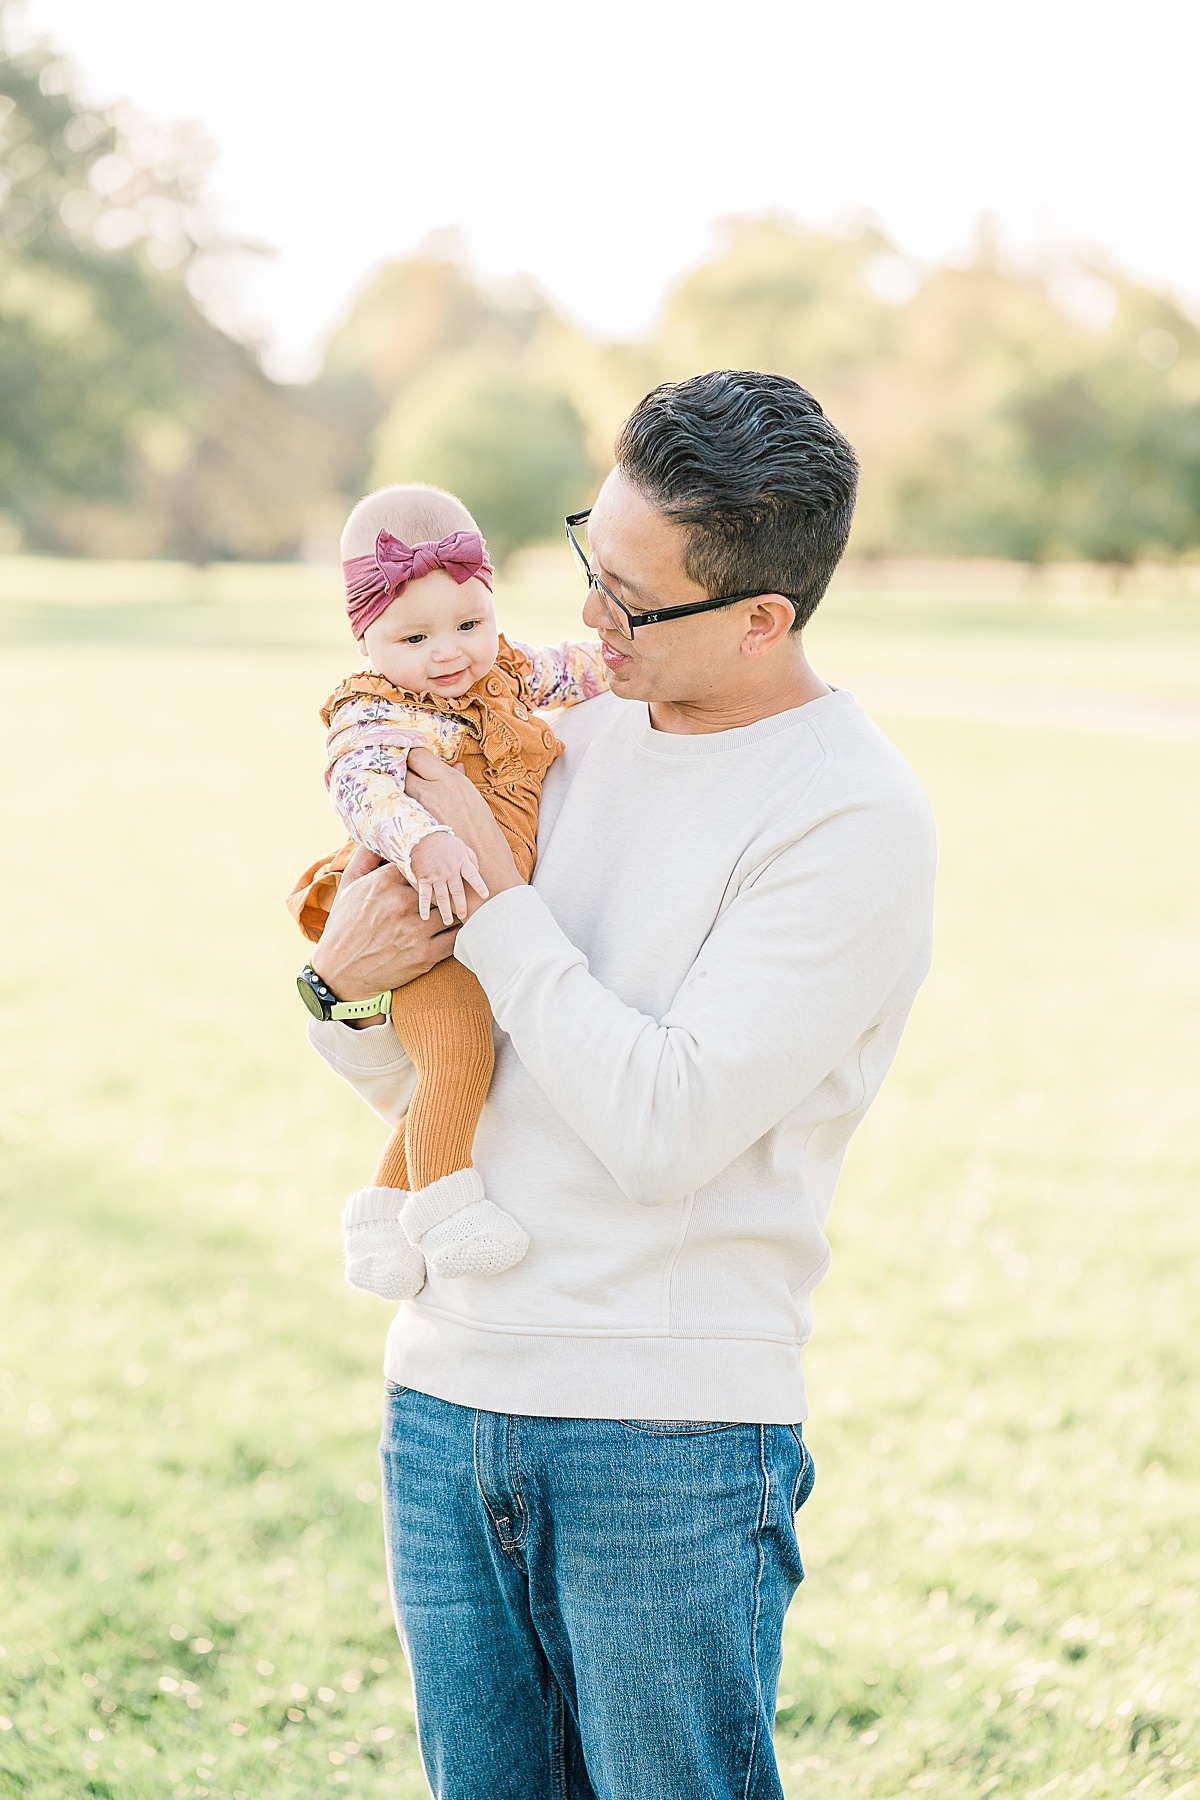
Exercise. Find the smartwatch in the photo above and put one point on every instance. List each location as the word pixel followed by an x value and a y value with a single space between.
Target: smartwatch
pixel 323 1003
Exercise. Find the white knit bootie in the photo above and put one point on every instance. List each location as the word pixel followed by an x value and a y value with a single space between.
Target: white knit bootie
pixel 379 1256
pixel 458 1231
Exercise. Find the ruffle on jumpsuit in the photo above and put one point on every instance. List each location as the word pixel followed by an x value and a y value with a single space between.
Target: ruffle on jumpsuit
pixel 509 747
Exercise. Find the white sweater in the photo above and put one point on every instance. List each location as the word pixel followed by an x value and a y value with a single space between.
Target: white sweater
pixel 696 1002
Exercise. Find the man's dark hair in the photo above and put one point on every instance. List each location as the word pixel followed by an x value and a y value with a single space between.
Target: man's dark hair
pixel 753 466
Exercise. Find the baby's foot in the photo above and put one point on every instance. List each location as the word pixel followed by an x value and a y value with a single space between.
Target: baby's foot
pixel 379 1256
pixel 458 1231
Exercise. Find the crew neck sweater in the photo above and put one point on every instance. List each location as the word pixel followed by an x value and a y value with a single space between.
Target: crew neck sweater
pixel 696 1001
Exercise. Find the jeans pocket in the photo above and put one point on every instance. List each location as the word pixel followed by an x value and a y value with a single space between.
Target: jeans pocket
pixel 393 1391
pixel 806 1476
pixel 677 1427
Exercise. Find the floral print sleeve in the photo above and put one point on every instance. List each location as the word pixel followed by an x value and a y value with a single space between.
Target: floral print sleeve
pixel 564 674
pixel 366 756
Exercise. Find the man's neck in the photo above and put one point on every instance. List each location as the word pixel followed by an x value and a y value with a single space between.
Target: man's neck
pixel 766 692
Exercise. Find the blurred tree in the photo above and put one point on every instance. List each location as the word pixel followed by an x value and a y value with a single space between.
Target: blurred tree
pixel 128 421
pixel 964 340
pixel 817 306
pixel 408 316
pixel 825 308
pixel 1107 454
pixel 69 311
pixel 413 311
pixel 512 447
pixel 1075 440
pixel 1033 412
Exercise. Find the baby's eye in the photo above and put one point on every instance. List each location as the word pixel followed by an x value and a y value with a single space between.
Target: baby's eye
pixel 417 638
pixel 468 624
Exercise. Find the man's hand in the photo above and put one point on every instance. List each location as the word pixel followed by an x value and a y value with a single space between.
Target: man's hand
pixel 444 791
pixel 442 863
pixel 376 938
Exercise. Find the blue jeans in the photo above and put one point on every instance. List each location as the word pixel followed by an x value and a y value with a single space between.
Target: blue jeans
pixel 592 1609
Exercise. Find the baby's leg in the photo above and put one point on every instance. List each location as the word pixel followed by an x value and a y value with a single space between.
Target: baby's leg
pixel 393 1164
pixel 444 1022
pixel 379 1256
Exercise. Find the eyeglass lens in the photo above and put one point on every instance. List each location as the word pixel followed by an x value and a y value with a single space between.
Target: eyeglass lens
pixel 615 617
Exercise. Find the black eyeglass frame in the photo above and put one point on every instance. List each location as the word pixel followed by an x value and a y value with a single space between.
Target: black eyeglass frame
pixel 659 613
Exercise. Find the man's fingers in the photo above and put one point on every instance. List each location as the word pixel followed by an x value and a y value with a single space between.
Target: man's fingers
pixel 361 863
pixel 424 763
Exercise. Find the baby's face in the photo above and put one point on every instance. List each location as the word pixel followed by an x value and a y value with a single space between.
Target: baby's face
pixel 436 637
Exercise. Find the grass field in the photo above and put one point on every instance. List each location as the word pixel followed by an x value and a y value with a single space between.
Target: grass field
pixel 1004 1542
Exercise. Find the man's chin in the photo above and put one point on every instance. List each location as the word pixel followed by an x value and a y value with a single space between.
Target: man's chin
pixel 627 680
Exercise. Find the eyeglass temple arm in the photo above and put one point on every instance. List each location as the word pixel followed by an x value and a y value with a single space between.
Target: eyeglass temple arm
pixel 573 519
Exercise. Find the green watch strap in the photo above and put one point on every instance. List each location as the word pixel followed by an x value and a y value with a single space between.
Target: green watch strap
pixel 362 1009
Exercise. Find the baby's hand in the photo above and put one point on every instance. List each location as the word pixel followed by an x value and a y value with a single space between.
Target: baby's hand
pixel 442 863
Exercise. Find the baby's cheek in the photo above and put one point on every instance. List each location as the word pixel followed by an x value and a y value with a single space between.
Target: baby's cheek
pixel 484 654
pixel 404 664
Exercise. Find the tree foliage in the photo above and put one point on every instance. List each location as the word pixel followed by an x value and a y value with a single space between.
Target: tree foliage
pixel 999 409
pixel 511 446
pixel 1029 411
pixel 128 420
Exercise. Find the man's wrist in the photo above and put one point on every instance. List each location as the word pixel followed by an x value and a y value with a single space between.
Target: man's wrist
pixel 500 873
pixel 324 1002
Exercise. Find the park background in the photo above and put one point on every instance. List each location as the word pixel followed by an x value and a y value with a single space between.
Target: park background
pixel 1003 1552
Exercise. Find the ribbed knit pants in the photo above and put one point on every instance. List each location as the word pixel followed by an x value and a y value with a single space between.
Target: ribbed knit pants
pixel 445 1024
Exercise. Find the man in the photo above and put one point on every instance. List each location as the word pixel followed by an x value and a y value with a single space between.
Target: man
pixel 592 1463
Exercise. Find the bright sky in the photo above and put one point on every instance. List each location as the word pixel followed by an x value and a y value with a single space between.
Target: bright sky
pixel 592 145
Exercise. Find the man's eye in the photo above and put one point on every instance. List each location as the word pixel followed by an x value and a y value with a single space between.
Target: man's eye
pixel 418 639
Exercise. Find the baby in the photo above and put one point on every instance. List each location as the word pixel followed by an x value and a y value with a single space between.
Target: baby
pixel 439 675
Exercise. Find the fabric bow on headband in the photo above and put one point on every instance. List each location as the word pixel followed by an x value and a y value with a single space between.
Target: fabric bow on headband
pixel 373 582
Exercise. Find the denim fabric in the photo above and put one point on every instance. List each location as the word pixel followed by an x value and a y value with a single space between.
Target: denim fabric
pixel 592 1609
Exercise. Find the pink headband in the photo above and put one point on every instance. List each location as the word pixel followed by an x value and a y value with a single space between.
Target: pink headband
pixel 373 582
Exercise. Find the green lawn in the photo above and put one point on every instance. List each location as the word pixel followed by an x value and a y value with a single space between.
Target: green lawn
pixel 1004 1541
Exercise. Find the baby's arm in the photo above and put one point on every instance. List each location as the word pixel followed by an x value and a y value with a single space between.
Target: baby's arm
pixel 367 751
pixel 565 674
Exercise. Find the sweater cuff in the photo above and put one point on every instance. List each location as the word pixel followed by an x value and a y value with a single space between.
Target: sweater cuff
pixel 508 935
pixel 372 1050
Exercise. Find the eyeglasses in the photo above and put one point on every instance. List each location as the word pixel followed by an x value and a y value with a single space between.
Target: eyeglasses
pixel 621 617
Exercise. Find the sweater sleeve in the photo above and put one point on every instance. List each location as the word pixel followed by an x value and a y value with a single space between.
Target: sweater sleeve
pixel 565 674
pixel 797 968
pixel 373 1061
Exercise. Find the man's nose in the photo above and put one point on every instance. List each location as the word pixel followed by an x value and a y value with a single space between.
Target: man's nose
pixel 593 611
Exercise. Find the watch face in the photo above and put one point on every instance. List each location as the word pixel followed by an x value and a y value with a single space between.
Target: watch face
pixel 310 997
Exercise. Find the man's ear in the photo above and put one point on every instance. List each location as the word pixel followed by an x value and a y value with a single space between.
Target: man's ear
pixel 769 621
